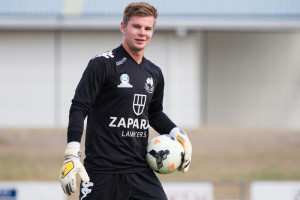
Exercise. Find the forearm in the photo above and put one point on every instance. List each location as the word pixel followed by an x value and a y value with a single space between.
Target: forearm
pixel 76 123
pixel 161 123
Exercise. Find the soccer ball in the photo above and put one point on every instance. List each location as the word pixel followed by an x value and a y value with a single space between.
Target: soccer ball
pixel 164 154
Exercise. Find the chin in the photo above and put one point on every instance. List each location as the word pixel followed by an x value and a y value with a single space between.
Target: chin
pixel 138 48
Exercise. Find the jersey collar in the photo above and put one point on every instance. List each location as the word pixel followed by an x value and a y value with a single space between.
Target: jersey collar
pixel 129 56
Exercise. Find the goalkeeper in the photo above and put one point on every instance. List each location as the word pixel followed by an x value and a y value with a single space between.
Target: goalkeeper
pixel 121 92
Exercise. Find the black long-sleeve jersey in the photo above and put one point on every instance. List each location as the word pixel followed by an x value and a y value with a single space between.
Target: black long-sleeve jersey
pixel 121 98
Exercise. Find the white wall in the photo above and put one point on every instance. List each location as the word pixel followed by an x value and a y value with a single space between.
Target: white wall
pixel 26 79
pixel 254 79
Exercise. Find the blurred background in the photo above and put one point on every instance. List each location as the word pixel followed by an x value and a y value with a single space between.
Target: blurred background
pixel 232 81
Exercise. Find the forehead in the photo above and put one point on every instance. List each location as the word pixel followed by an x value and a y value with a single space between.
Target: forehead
pixel 142 20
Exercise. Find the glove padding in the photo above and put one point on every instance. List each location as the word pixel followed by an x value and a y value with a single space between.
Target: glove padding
pixel 72 166
pixel 182 137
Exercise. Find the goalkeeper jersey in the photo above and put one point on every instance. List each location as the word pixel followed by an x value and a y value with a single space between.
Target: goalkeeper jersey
pixel 121 99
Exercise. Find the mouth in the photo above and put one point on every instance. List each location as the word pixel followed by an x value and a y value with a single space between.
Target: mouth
pixel 140 41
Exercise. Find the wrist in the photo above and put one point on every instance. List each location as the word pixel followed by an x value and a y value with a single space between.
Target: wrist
pixel 73 145
pixel 73 149
pixel 174 132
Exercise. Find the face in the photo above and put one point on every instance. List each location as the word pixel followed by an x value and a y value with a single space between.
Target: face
pixel 137 33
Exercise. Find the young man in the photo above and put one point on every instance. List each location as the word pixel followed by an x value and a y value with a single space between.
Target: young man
pixel 122 94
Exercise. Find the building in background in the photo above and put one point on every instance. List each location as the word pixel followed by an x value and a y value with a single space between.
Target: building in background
pixel 226 63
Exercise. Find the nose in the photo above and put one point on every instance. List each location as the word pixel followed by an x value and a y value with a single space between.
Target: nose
pixel 141 31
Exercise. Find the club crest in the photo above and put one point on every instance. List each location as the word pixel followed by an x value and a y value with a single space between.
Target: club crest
pixel 139 102
pixel 149 86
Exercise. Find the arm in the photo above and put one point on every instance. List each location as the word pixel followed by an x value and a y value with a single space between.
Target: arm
pixel 86 93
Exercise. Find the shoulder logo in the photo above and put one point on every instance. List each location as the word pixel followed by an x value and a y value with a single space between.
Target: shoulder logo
pixel 108 54
pixel 149 86
pixel 124 78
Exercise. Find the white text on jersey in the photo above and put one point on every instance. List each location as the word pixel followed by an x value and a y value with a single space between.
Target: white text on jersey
pixel 129 123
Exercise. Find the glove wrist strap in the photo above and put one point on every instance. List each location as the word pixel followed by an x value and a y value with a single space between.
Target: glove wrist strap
pixel 73 149
pixel 174 132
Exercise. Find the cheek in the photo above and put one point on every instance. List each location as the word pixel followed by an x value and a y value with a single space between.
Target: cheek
pixel 128 36
pixel 149 36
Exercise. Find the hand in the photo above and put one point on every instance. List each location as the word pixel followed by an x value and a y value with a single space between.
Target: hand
pixel 182 137
pixel 72 166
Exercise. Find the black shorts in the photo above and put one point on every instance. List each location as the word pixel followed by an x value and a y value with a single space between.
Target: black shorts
pixel 135 186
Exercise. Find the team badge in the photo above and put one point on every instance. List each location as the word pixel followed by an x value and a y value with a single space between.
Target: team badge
pixel 139 102
pixel 149 86
pixel 124 78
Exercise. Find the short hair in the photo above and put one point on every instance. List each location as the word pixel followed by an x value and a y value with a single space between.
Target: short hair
pixel 139 9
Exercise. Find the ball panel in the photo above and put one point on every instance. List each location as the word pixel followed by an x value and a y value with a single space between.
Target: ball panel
pixel 164 154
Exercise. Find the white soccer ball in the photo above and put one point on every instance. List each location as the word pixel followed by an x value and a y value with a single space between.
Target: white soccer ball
pixel 164 154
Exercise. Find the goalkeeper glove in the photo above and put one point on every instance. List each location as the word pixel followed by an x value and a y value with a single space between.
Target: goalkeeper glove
pixel 72 166
pixel 182 137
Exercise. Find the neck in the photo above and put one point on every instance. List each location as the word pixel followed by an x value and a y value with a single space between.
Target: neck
pixel 136 55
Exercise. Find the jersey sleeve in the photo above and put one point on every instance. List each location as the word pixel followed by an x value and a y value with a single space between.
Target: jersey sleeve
pixel 86 92
pixel 158 120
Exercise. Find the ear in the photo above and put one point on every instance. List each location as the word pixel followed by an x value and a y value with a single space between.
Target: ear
pixel 123 27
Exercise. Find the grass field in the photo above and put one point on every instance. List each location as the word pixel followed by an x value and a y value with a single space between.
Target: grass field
pixel 219 154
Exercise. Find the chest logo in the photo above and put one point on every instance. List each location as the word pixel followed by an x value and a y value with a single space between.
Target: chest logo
pixel 149 86
pixel 124 78
pixel 139 102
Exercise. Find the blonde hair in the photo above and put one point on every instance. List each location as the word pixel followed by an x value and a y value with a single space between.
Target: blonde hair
pixel 139 9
